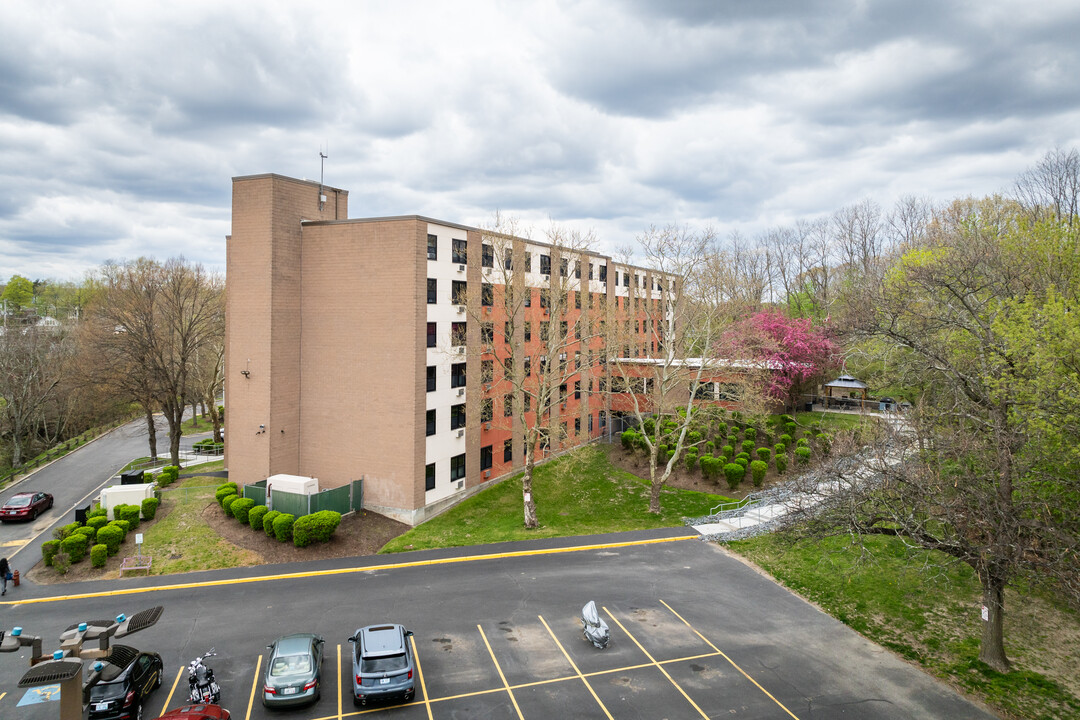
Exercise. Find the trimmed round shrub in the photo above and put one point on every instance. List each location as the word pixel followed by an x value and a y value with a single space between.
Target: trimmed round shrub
pixel 781 463
pixel 316 527
pixel 149 508
pixel 268 522
pixel 224 491
pixel 743 456
pixel 89 532
pixel 649 426
pixel 75 545
pixel 734 474
pixel 628 438
pixel 802 455
pixel 790 428
pixel 97 512
pixel 710 447
pixel 283 525
pixel 227 503
pixel 690 460
pixel 130 513
pixel 168 475
pixel 757 471
pixel 99 554
pixel 661 454
pixel 802 442
pixel 240 509
pixel 763 454
pixel 779 448
pixel 693 437
pixel 743 461
pixel 123 525
pixel 49 548
pixel 97 522
pixel 823 441
pixel 64 531
pixel 61 562
pixel 255 516
pixel 111 536
pixel 786 440
pixel 710 466
pixel 748 446
pixel 728 450
pixel 750 433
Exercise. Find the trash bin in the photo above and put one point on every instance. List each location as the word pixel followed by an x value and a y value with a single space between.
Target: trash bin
pixel 809 407
pixel 80 514
pixel 132 477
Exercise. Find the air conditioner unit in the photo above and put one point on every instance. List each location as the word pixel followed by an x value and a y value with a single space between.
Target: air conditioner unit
pixel 461 308
pixel 487 473
pixel 487 426
pixel 461 268
pixel 461 349
pixel 461 433
pixel 460 484
pixel 461 391
pixel 487 386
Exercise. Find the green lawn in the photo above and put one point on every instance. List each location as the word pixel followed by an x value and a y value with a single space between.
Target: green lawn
pixel 181 541
pixel 580 493
pixel 931 617
pixel 830 421
pixel 195 425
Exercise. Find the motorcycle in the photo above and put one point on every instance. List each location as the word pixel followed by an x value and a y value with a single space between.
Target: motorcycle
pixel 204 688
pixel 593 626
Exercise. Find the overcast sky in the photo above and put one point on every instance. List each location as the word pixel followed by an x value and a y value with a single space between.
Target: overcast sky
pixel 121 124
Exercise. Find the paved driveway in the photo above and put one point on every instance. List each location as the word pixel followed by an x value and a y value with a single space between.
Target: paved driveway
pixel 695 634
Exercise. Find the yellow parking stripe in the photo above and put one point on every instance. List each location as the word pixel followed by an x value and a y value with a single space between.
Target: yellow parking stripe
pixel 575 667
pixel 254 684
pixel 501 676
pixel 14 543
pixel 165 707
pixel 733 664
pixel 347 571
pixel 341 690
pixel 658 665
pixel 420 677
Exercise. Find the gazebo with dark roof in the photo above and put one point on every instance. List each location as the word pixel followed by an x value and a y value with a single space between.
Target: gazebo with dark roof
pixel 846 386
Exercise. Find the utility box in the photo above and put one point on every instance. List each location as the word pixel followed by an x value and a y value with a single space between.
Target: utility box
pixel 296 484
pixel 132 477
pixel 125 495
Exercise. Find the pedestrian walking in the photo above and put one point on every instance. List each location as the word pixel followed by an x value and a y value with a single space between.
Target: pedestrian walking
pixel 5 575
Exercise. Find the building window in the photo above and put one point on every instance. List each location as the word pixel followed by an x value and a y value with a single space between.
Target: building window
pixel 459 291
pixel 528 261
pixel 564 266
pixel 603 419
pixel 577 300
pixel 508 258
pixel 603 273
pixel 431 378
pixel 590 424
pixel 528 402
pixel 461 251
pixel 528 330
pixel 544 330
pixel 457 375
pixel 487 294
pixel 577 389
pixel 508 404
pixel 429 472
pixel 487 333
pixel 485 457
pixel 487 410
pixel 590 271
pixel 487 256
pixel 528 297
pixel 577 426
pixel 577 269
pixel 508 368
pixel 432 291
pixel 430 423
pixel 528 366
pixel 432 248
pixel 545 264
pixel 545 298
pixel 457 467
pixel 431 334
pixel 457 416
pixel 487 370
pixel 626 279
pixel 508 450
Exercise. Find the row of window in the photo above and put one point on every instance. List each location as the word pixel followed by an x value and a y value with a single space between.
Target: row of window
pixel 457 471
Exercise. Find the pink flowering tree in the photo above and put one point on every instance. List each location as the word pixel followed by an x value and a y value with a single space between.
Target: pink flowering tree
pixel 789 351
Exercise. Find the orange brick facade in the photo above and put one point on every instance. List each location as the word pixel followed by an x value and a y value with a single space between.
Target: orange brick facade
pixel 329 367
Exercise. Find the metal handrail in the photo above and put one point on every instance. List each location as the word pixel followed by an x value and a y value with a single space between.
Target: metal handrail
pixel 735 504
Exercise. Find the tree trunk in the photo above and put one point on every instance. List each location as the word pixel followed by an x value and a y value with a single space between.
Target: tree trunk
pixel 655 483
pixel 992 648
pixel 151 431
pixel 526 495
pixel 174 414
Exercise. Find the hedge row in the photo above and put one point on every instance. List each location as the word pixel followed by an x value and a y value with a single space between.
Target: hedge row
pixel 303 531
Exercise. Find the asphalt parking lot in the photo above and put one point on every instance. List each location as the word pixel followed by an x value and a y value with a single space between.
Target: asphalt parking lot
pixel 695 634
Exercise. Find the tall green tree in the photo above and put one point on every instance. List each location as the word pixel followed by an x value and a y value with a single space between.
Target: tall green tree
pixel 18 293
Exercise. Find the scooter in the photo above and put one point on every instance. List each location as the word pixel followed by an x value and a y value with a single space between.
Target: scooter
pixel 203 686
pixel 593 627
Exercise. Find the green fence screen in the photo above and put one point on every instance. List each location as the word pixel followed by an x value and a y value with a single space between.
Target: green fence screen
pixel 344 499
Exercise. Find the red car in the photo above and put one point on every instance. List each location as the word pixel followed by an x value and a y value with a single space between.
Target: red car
pixel 25 506
pixel 197 712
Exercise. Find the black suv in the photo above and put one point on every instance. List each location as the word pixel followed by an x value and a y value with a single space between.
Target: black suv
pixel 127 677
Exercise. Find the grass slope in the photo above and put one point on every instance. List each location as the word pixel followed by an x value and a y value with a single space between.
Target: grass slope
pixel 580 493
pixel 897 597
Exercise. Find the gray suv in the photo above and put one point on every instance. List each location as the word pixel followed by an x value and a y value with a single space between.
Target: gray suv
pixel 382 663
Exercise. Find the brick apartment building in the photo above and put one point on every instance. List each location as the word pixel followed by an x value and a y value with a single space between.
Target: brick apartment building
pixel 361 348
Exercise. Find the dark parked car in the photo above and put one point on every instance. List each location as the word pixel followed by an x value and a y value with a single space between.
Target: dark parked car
pixel 294 671
pixel 197 712
pixel 127 677
pixel 25 506
pixel 382 663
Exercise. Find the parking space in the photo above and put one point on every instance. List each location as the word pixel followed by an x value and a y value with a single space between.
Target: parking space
pixel 656 665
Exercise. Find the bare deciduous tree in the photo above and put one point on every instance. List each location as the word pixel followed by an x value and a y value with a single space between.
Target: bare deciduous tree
pixel 1052 187
pixel 32 363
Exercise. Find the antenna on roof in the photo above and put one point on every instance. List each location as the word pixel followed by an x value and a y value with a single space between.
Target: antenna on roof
pixel 322 166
